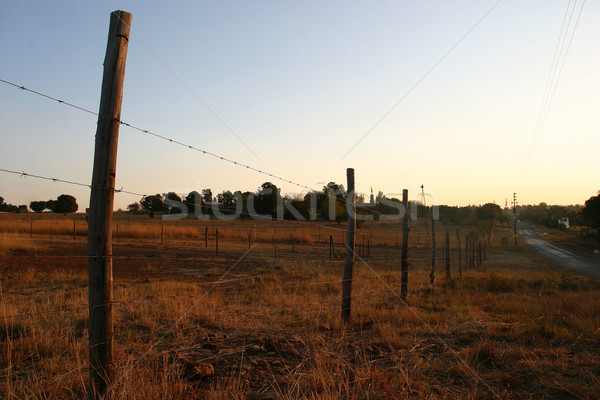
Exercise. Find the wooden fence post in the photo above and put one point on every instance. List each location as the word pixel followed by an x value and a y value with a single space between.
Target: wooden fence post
pixel 479 253
pixel 432 273
pixel 447 253
pixel 101 207
pixel 349 264
pixel 472 253
pixel 206 236
pixel 466 253
pixel 74 230
pixel 459 253
pixel 292 240
pixel 363 248
pixel 331 247
pixel 31 228
pixel 217 241
pixel 51 229
pixel 404 276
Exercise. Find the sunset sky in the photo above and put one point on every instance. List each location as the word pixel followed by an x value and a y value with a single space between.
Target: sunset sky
pixel 446 94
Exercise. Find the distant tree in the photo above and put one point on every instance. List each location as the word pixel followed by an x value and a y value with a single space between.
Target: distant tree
pixel 134 208
pixel 37 206
pixel 226 198
pixel 152 204
pixel 489 211
pixel 192 200
pixel 64 204
pixel 265 201
pixel 207 195
pixel 331 202
pixel 7 207
pixel 591 213
pixel 174 197
pixel 50 204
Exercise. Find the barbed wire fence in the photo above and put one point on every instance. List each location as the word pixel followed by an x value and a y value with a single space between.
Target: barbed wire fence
pixel 292 246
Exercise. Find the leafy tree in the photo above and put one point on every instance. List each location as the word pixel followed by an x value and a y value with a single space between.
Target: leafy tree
pixel 134 208
pixel 207 195
pixel 7 207
pixel 191 199
pixel 50 204
pixel 37 206
pixel 174 197
pixel 266 198
pixel 489 211
pixel 152 204
pixel 591 213
pixel 331 203
pixel 226 198
pixel 64 204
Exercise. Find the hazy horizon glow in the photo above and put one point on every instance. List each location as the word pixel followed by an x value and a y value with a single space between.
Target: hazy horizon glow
pixel 299 85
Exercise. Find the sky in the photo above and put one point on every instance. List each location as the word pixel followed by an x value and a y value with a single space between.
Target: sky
pixel 448 95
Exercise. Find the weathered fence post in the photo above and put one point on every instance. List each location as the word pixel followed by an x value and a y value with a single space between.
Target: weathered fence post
pixel 31 228
pixel 292 240
pixel 447 254
pixel 404 277
pixel 459 253
pixel 331 246
pixel 162 234
pixel 74 230
pixel 349 264
pixel 432 273
pixel 51 229
pixel 250 239
pixel 364 248
pixel 479 253
pixel 466 253
pixel 101 207
pixel 472 250
pixel 217 241
pixel 206 236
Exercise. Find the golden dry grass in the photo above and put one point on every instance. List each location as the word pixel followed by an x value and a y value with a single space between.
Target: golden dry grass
pixel 515 328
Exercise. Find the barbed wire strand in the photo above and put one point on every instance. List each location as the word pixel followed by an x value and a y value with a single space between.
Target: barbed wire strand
pixel 162 137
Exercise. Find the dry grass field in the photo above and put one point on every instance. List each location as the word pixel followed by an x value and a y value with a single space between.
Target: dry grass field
pixel 264 322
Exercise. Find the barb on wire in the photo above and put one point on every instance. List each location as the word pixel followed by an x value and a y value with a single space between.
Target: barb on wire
pixel 29 175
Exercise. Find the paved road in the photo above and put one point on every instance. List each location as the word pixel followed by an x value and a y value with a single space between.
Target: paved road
pixel 557 255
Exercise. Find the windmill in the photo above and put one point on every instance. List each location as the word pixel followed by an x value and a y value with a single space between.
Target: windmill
pixel 422 195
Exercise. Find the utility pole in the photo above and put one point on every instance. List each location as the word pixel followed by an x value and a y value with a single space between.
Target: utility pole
pixel 515 215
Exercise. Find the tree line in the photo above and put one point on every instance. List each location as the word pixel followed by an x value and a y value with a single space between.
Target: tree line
pixel 326 204
pixel 63 204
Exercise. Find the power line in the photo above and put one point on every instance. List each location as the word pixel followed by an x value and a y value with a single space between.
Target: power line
pixel 421 79
pixel 162 137
pixel 552 81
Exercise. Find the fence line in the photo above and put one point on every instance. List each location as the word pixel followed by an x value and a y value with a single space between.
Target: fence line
pixel 220 282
